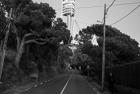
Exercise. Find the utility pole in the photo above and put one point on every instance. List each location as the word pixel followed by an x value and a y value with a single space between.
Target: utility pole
pixel 5 44
pixel 103 55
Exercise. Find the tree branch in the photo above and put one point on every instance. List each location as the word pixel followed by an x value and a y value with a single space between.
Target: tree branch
pixel 35 41
pixel 30 34
pixel 32 31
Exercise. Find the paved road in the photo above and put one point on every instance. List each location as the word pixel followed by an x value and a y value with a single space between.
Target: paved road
pixel 69 83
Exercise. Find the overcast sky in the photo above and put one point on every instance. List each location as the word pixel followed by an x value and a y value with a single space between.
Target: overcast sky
pixel 88 16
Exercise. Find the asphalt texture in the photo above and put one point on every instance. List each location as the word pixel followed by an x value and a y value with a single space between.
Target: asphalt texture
pixel 69 83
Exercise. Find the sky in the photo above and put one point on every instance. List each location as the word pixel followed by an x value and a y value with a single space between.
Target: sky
pixel 88 16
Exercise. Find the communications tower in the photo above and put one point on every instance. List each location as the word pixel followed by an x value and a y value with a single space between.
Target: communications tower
pixel 68 10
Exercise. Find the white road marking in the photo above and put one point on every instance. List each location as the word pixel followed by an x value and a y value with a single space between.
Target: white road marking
pixel 66 84
pixel 89 84
pixel 96 85
pixel 41 83
pixel 35 86
pixel 27 88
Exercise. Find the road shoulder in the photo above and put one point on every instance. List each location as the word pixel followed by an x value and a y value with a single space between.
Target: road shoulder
pixel 94 84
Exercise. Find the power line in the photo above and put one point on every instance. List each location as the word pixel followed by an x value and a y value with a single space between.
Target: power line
pixel 88 7
pixel 118 20
pixel 106 11
pixel 103 6
pixel 110 6
pixel 126 4
pixel 126 15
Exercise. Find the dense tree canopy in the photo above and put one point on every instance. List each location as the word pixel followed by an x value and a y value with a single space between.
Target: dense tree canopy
pixel 120 48
pixel 35 36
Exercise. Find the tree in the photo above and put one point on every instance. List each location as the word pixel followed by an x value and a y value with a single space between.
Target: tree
pixel 61 30
pixel 64 55
pixel 5 44
pixel 117 44
pixel 32 25
pixel 38 36
pixel 3 25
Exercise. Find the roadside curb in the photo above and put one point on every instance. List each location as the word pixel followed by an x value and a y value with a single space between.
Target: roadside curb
pixel 95 84
pixel 99 87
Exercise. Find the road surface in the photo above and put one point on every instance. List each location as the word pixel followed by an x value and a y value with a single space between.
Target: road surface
pixel 69 83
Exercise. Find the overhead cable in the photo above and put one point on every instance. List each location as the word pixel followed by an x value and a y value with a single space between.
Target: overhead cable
pixel 103 6
pixel 126 15
pixel 110 6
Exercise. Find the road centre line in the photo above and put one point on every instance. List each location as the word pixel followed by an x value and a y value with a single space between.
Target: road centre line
pixel 66 84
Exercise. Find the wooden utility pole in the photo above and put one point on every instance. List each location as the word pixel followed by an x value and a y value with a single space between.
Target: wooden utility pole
pixel 5 44
pixel 103 57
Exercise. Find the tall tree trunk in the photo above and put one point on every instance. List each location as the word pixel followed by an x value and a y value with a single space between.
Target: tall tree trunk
pixel 18 43
pixel 20 48
pixel 4 46
pixel 1 45
pixel 19 54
